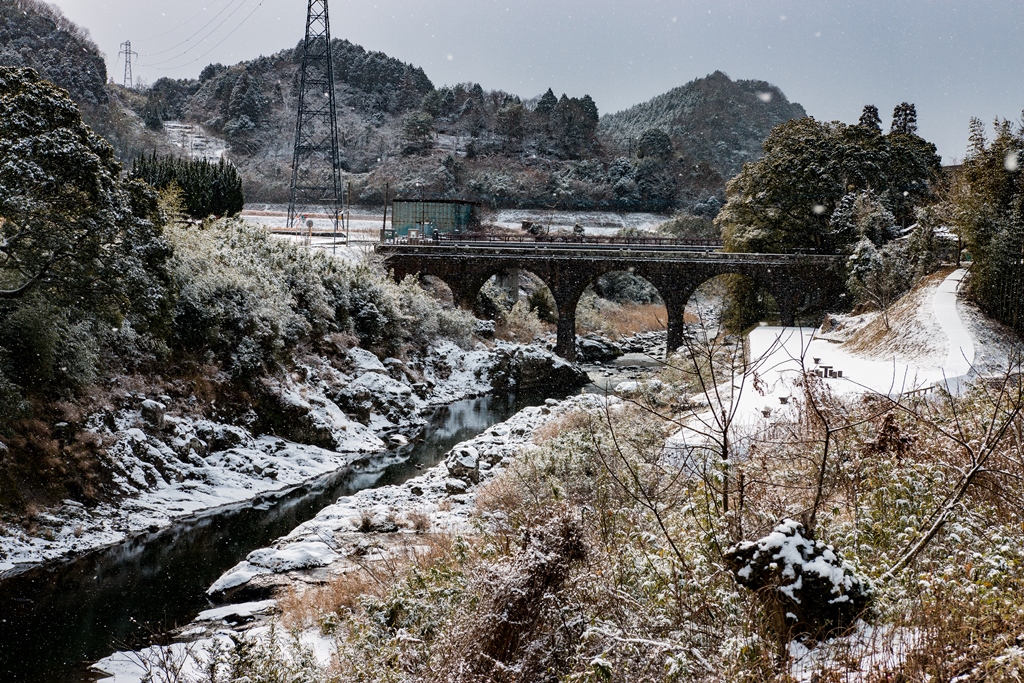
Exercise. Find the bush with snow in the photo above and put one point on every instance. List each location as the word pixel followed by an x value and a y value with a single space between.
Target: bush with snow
pixel 805 586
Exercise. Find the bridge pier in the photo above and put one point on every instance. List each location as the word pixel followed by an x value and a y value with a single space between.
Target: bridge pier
pixel 674 293
pixel 788 298
pixel 675 335
pixel 565 346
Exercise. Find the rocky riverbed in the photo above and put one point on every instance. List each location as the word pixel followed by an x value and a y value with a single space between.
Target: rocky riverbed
pixel 373 525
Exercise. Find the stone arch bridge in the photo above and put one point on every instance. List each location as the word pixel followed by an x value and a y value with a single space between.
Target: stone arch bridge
pixel 568 269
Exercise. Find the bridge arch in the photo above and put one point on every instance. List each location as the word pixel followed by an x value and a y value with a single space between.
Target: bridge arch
pixel 568 271
pixel 595 285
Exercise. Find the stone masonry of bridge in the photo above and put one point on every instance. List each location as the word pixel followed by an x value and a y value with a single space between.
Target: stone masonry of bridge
pixel 792 279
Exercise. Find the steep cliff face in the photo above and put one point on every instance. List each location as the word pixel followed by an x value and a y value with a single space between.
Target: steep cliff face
pixel 713 119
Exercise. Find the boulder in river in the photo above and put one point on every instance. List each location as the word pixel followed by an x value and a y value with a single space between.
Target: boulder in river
pixel 593 348
pixel 520 367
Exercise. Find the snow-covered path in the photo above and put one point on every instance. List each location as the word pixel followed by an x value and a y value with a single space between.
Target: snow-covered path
pixel 786 351
pixel 961 344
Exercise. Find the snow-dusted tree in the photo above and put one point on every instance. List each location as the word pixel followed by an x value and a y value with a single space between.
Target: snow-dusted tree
pixel 547 103
pixel 69 225
pixel 986 206
pixel 904 119
pixel 654 143
pixel 80 248
pixel 783 201
pixel 510 123
pixel 870 119
pixel 417 128
pixel 879 276
pixel 862 215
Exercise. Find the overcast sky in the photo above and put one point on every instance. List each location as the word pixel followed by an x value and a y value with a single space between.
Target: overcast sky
pixel 953 59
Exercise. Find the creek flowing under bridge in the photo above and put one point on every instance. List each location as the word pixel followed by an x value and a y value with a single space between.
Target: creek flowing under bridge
pixel 676 270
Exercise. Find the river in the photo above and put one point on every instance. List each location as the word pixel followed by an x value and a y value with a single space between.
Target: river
pixel 56 619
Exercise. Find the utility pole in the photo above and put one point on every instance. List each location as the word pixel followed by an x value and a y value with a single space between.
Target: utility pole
pixel 126 50
pixel 316 167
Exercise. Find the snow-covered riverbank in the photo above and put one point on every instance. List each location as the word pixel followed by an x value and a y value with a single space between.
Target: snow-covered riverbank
pixel 167 464
pixel 372 525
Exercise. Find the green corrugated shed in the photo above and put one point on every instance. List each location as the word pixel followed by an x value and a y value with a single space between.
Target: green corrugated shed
pixel 425 217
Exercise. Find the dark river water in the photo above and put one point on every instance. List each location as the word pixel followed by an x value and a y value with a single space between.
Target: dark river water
pixel 56 619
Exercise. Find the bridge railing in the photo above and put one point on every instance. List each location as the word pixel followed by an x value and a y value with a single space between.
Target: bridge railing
pixel 439 238
pixel 570 251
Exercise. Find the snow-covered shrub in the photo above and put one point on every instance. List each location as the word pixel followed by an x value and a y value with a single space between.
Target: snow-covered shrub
pixel 805 586
pixel 425 318
pixel 45 346
pixel 246 297
pixel 375 312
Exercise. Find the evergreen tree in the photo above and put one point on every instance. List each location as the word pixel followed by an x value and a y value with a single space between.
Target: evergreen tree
pixel 986 206
pixel 784 201
pixel 207 189
pixel 870 119
pixel 81 248
pixel 417 129
pixel 904 119
pixel 547 103
pixel 654 143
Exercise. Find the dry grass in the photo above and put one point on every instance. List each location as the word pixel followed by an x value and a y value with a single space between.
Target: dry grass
pixel 418 521
pixel 306 607
pixel 345 593
pixel 521 325
pixel 574 421
pixel 619 321
pixel 633 319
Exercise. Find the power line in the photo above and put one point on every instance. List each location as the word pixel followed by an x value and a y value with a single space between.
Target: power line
pixel 172 30
pixel 169 68
pixel 201 29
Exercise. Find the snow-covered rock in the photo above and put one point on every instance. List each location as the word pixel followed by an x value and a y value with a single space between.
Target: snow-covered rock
pixel 464 464
pixel 364 361
pixel 530 367
pixel 594 348
pixel 153 413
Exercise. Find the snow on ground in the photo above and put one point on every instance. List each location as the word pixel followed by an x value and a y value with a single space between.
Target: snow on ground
pixel 189 661
pixel 946 333
pixel 594 222
pixel 186 487
pixel 868 653
pixel 194 141
pixel 937 326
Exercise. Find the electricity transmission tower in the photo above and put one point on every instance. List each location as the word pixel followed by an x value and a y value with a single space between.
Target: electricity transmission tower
pixel 126 50
pixel 316 169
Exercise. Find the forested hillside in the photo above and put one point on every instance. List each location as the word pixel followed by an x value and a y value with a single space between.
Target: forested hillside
pixel 712 120
pixel 399 129
pixel 37 35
